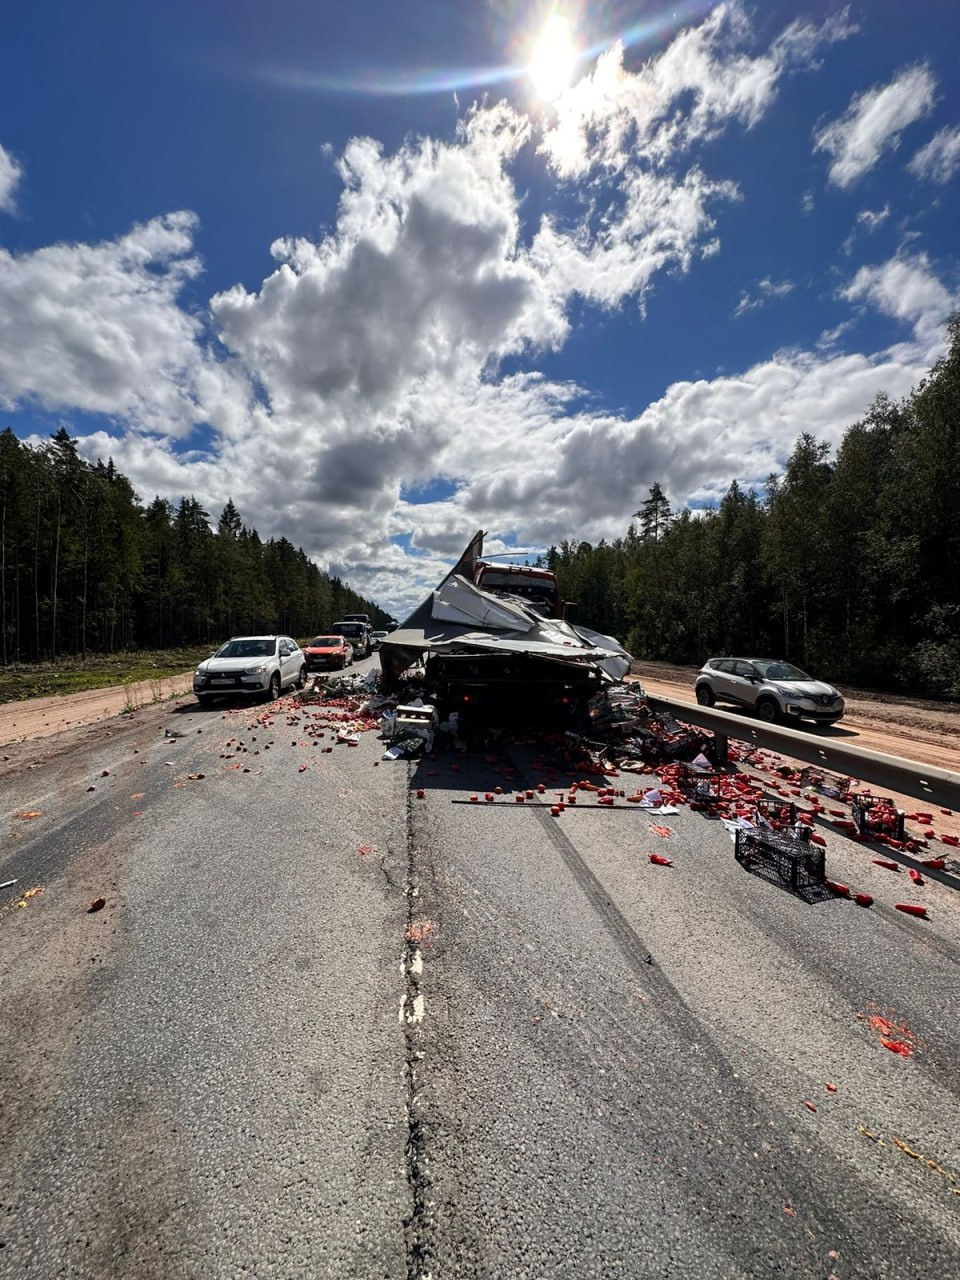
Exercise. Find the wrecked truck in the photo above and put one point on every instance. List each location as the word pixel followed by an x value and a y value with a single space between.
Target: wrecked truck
pixel 494 651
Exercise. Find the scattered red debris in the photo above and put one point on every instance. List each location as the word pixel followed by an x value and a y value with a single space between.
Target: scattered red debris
pixel 830 1088
pixel 887 864
pixel 912 909
pixel 915 876
pixel 809 1105
pixel 96 905
pixel 661 831
pixel 419 931
pixel 897 1038
pixel 841 890
pixel 659 861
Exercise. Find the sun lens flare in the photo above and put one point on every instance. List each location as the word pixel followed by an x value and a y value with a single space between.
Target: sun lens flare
pixel 552 59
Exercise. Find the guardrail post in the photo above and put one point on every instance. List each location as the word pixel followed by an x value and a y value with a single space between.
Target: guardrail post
pixel 721 748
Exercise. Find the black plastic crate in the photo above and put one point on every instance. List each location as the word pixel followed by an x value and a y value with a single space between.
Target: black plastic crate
pixel 877 816
pixel 699 784
pixel 781 813
pixel 793 862
pixel 826 784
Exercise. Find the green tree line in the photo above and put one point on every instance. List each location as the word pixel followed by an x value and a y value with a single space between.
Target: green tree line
pixel 85 568
pixel 847 565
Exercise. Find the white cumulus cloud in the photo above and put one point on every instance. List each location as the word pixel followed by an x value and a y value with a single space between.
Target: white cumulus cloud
pixel 939 160
pixel 98 328
pixel 906 288
pixel 766 289
pixel 10 174
pixel 874 122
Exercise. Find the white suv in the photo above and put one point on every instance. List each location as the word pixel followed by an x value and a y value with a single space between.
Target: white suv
pixel 774 690
pixel 259 665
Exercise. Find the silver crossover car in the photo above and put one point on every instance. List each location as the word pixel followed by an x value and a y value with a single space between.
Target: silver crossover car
pixel 251 665
pixel 774 690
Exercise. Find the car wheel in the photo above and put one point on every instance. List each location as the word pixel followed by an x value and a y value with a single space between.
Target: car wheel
pixel 302 677
pixel 273 692
pixel 704 695
pixel 767 711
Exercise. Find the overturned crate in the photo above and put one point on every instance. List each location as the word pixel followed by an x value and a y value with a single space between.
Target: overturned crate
pixel 825 784
pixel 791 860
pixel 877 816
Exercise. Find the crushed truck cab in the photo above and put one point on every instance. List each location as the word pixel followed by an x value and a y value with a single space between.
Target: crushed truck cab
pixel 494 648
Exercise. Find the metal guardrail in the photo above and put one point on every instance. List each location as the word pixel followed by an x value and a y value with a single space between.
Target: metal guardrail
pixel 924 782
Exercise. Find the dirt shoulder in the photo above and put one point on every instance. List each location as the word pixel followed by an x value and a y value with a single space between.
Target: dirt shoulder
pixel 40 718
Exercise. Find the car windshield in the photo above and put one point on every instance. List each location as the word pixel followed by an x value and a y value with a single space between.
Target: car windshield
pixel 324 642
pixel 246 649
pixel 781 671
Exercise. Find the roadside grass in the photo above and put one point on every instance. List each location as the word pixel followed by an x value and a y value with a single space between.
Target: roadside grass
pixel 21 681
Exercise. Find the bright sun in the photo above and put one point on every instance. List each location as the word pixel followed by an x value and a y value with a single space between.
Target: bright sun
pixel 552 59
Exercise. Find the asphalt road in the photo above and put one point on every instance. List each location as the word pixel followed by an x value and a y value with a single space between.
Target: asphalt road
pixel 324 1027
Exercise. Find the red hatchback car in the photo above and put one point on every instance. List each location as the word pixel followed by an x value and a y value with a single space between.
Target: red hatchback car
pixel 325 653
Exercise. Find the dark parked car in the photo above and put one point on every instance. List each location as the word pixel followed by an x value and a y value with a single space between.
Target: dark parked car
pixel 357 633
pixel 774 690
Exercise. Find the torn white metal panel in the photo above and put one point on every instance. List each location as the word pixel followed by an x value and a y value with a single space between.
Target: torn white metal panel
pixel 457 600
pixel 477 641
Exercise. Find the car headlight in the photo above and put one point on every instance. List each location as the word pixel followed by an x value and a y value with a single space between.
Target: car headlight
pixel 256 671
pixel 791 695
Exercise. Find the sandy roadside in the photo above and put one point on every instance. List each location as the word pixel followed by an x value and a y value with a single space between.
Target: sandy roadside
pixel 43 717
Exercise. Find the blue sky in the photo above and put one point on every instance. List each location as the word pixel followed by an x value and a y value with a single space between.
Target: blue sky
pixel 385 274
